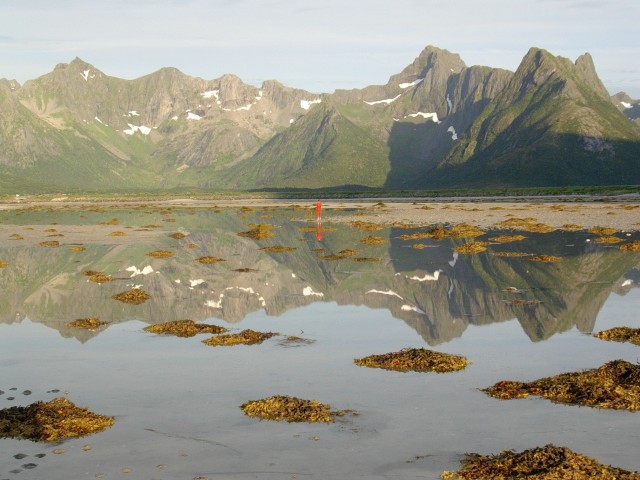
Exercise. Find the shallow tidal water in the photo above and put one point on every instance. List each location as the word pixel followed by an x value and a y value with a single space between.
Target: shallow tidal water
pixel 176 400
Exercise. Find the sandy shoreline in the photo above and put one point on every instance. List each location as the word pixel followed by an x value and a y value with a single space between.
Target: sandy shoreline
pixel 623 215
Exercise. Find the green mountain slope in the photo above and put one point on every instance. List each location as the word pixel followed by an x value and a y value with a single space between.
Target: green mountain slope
pixel 323 149
pixel 554 124
pixel 437 123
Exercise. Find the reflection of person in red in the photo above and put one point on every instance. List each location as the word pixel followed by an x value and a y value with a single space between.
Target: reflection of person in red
pixel 318 220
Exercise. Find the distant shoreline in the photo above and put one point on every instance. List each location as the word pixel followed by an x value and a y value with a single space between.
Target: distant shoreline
pixel 621 212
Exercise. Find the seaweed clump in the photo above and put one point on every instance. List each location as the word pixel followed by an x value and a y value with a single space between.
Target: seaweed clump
pixel 525 224
pixel 471 247
pixel 207 260
pixel 291 409
pixel 160 254
pixel 3 264
pixel 545 258
pixel 548 462
pixel 98 277
pixel 135 296
pixel 631 247
pixel 245 337
pixel 278 249
pixel 90 323
pixel 620 334
pixel 615 385
pixel 260 231
pixel 57 419
pixel 416 360
pixel 184 328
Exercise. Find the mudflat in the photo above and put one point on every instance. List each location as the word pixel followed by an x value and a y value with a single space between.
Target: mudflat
pixel 619 213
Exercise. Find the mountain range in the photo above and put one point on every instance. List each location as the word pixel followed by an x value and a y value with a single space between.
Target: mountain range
pixel 436 124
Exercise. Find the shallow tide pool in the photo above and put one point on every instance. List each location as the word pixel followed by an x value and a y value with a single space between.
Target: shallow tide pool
pixel 176 400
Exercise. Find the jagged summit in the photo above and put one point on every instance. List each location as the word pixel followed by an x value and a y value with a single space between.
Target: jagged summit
pixel 437 123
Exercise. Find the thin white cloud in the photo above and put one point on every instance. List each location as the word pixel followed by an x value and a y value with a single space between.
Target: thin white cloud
pixel 309 45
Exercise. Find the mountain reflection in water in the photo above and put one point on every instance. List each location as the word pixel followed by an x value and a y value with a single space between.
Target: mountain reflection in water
pixel 435 290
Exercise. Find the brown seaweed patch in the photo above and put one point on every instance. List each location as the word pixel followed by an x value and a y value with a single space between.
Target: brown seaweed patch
pixel 366 226
pixel 191 245
pixel 322 228
pixel 614 385
pixel 511 254
pixel 608 239
pixel 462 230
pixel 278 249
pixel 77 249
pixel 3 264
pixel 416 360
pixel 293 341
pixel 602 231
pixel 135 296
pixel 90 323
pixel 118 234
pixel 471 247
pixel 260 231
pixel 177 235
pixel 507 238
pixel 545 258
pixel 98 277
pixel 528 224
pixel 366 259
pixel 245 270
pixel 57 419
pixel 151 226
pixel 184 328
pixel 16 236
pixel 209 260
pixel 113 221
pixel 620 334
pixel 571 227
pixel 159 254
pixel 245 337
pixel 50 243
pixel 631 247
pixel 539 463
pixel 372 240
pixel 291 409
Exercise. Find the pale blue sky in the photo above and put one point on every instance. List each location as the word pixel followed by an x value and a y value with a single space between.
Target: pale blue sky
pixel 318 45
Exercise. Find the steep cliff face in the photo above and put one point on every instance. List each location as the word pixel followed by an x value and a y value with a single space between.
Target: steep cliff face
pixel 553 124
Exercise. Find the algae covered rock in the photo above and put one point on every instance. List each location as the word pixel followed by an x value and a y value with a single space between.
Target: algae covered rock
pixel 184 328
pixel 292 409
pixel 415 359
pixel 540 463
pixel 57 419
pixel 614 385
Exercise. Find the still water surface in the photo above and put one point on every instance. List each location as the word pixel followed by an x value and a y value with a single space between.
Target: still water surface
pixel 176 401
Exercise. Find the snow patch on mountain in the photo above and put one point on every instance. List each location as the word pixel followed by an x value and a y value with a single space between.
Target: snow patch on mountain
pixel 193 116
pixel 306 104
pixel 386 101
pixel 308 291
pixel 386 292
pixel 410 84
pixel 137 128
pixel 452 131
pixel 426 115
pixel 626 104
pixel 85 75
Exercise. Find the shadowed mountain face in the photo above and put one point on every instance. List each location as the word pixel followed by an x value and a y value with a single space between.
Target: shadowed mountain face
pixel 433 288
pixel 437 123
